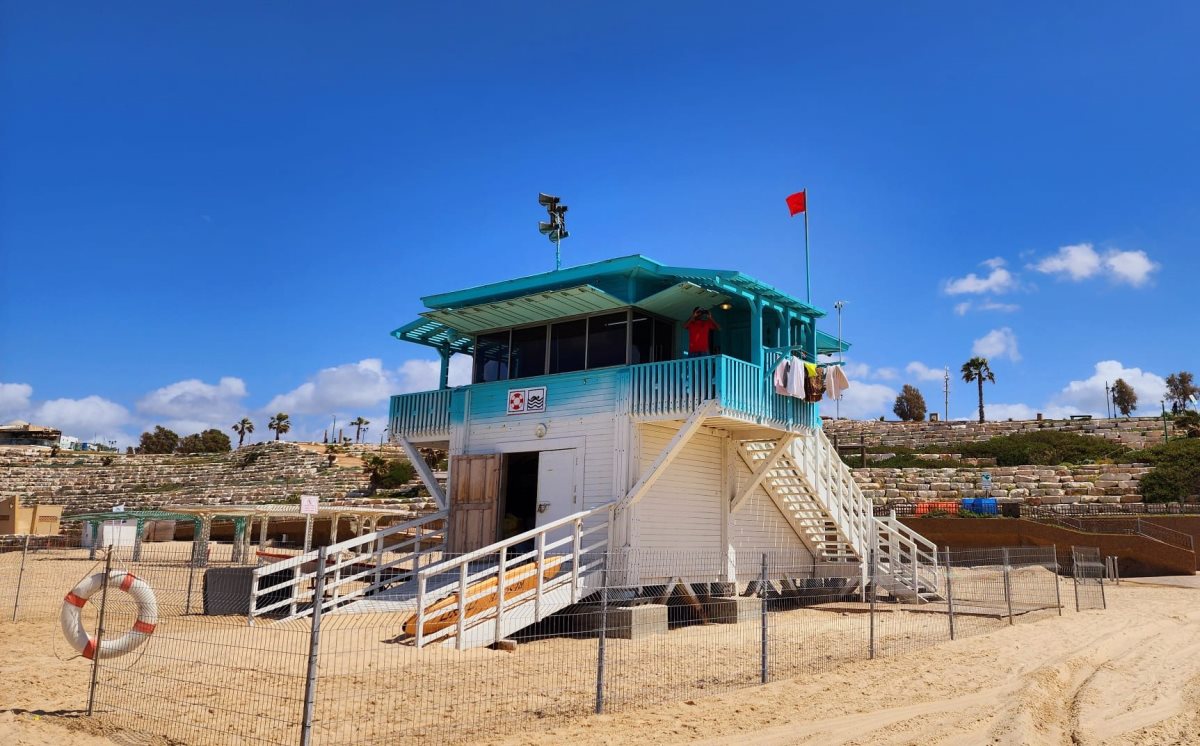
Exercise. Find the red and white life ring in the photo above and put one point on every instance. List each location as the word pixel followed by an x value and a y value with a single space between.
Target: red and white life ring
pixel 72 624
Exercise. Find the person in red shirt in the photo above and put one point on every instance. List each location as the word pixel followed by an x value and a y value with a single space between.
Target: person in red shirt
pixel 699 326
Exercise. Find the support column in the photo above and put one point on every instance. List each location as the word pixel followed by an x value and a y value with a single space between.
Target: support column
pixel 444 374
pixel 200 541
pixel 308 524
pixel 239 539
pixel 756 336
pixel 137 540
pixel 262 532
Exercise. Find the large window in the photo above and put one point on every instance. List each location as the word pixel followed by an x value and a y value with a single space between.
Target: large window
pixel 597 341
pixel 491 357
pixel 608 339
pixel 641 338
pixel 568 346
pixel 528 352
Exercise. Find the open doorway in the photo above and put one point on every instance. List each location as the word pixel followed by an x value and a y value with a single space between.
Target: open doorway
pixel 520 496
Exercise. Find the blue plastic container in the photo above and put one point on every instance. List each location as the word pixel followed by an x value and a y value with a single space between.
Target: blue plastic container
pixel 981 505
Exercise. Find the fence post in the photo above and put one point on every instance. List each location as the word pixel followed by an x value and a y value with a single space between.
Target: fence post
pixel 20 576
pixel 1007 586
pixel 99 633
pixel 1057 588
pixel 1075 577
pixel 874 593
pixel 1103 600
pixel 762 592
pixel 187 605
pixel 314 650
pixel 601 643
pixel 949 591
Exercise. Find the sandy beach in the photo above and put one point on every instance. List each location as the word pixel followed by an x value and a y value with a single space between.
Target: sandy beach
pixel 1127 675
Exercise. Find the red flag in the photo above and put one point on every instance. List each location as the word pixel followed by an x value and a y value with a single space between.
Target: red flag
pixel 796 202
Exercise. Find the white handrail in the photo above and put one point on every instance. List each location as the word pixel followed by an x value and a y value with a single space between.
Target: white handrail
pixel 459 589
pixel 425 542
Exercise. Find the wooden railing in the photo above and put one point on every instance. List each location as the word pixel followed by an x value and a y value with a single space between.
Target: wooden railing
pixel 423 414
pixel 674 388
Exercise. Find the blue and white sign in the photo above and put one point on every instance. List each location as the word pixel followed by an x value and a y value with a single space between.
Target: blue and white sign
pixel 527 401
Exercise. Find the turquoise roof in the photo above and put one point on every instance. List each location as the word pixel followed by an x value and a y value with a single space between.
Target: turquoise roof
pixel 626 268
pixel 629 280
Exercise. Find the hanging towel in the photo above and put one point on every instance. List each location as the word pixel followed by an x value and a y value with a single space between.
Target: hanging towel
pixel 780 377
pixel 835 382
pixel 796 378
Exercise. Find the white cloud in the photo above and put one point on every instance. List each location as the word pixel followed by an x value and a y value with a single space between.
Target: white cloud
pixel 961 308
pixel 357 386
pixel 886 374
pixel 996 344
pixel 865 401
pixel 991 305
pixel 994 263
pixel 1087 396
pixel 923 372
pixel 14 400
pixel 1078 261
pixel 84 417
pixel 422 375
pixel 191 406
pixel 1132 267
pixel 349 386
pixel 1081 261
pixel 999 280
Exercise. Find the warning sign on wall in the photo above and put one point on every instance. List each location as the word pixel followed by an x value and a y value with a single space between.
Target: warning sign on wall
pixel 527 401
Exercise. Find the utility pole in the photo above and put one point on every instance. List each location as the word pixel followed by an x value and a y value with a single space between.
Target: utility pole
pixel 946 393
pixel 839 305
pixel 1107 402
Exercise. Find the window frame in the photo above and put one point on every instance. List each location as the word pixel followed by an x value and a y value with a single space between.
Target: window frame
pixel 627 310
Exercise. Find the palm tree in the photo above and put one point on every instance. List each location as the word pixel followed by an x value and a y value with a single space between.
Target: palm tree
pixel 977 369
pixel 358 423
pixel 243 427
pixel 280 424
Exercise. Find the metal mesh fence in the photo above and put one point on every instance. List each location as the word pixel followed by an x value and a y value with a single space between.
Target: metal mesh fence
pixel 1088 572
pixel 630 630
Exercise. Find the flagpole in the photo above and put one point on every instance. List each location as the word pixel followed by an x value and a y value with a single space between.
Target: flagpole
pixel 807 264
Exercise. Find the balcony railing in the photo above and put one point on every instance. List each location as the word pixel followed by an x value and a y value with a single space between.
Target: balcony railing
pixel 674 388
pixel 669 390
pixel 425 414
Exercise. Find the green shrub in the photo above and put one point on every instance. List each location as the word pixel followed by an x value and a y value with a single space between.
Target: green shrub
pixel 388 474
pixel 1175 475
pixel 1048 448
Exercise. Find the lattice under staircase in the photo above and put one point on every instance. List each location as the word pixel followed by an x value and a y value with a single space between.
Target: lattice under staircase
pixel 816 491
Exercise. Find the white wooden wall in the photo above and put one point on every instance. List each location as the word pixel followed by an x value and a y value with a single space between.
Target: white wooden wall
pixel 757 526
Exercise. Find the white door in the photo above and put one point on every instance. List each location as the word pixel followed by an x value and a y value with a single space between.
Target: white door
pixel 557 496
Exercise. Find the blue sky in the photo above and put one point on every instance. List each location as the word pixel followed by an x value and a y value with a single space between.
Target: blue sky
pixel 218 209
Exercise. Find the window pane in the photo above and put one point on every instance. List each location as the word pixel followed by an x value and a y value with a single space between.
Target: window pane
pixel 643 339
pixel 568 340
pixel 491 357
pixel 528 352
pixel 606 339
pixel 664 341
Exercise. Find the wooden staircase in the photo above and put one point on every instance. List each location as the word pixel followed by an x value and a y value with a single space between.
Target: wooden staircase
pixel 816 491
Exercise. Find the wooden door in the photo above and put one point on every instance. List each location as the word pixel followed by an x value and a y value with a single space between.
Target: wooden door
pixel 474 501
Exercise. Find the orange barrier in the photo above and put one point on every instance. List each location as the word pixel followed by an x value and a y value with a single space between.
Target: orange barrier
pixel 947 506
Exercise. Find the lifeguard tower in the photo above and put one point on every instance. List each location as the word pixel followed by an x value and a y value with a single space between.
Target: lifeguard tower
pixel 588 429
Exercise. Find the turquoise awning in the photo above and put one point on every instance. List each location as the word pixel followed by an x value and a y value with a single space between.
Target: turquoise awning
pixel 827 344
pixel 527 309
pixel 677 302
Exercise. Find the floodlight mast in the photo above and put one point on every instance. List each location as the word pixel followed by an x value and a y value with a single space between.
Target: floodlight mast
pixel 556 228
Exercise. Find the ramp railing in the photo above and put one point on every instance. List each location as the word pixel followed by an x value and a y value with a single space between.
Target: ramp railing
pixel 579 552
pixel 907 557
pixel 354 568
